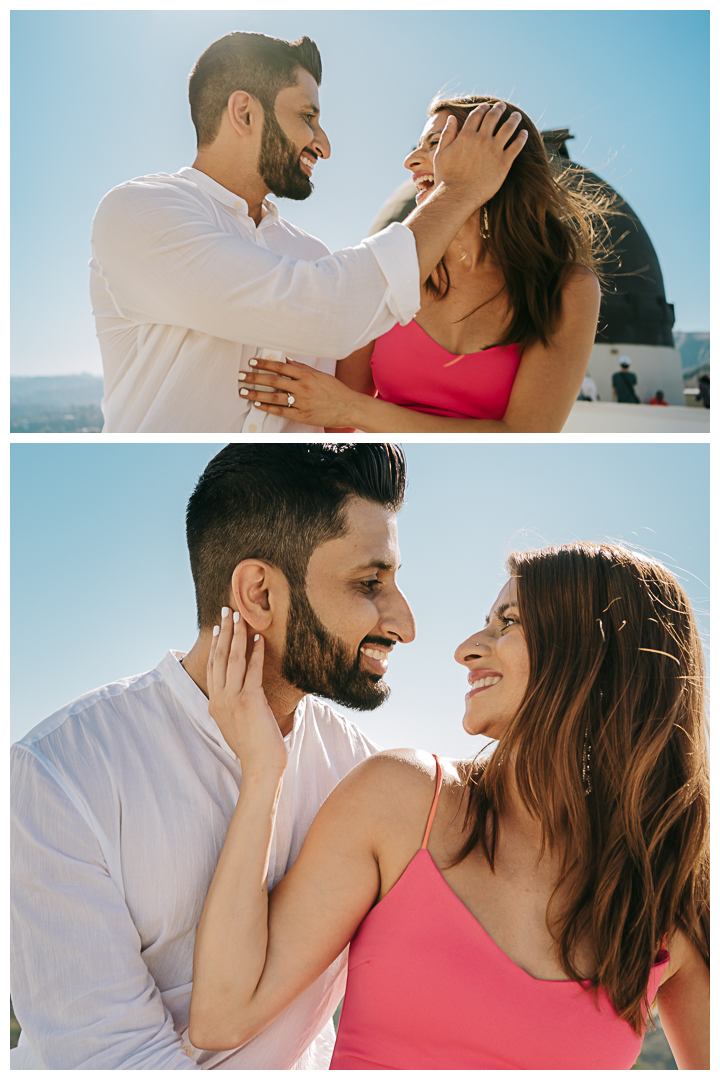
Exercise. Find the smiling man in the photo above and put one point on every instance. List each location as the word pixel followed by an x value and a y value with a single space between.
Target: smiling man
pixel 194 273
pixel 122 799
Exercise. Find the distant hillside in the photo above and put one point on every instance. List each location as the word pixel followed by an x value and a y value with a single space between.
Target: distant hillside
pixel 694 350
pixel 55 403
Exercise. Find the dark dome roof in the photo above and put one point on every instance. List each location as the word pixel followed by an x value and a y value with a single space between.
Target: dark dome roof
pixel 634 310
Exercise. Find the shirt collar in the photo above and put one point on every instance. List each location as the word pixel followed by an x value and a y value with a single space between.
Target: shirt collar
pixel 222 195
pixel 191 697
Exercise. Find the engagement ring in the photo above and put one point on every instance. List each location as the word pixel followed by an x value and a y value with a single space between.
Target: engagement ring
pixel 291 401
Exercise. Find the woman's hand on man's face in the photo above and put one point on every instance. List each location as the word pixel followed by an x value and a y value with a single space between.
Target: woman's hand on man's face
pixel 302 394
pixel 237 700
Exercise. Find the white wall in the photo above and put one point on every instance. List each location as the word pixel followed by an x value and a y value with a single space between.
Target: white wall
pixel 657 367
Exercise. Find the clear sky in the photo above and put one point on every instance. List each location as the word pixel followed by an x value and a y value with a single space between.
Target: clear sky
pixel 101 584
pixel 101 96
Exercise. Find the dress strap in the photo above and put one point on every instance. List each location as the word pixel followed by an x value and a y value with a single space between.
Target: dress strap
pixel 433 808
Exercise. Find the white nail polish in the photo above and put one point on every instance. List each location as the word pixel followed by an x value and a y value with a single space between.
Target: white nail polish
pixel 252 363
pixel 216 631
pixel 225 612
pixel 236 616
pixel 242 376
pixel 257 404
pixel 244 392
pixel 256 638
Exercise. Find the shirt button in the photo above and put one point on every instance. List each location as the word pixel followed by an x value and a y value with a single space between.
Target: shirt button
pixel 252 429
pixel 188 1051
pixel 238 206
pixel 271 356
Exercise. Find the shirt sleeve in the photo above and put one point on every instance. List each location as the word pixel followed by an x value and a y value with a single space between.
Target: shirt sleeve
pixel 166 260
pixel 81 991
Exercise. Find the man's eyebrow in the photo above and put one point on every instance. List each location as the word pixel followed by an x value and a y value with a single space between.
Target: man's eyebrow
pixel 374 564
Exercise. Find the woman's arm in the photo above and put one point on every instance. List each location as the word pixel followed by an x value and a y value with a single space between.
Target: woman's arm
pixel 684 1005
pixel 355 372
pixel 546 385
pixel 248 968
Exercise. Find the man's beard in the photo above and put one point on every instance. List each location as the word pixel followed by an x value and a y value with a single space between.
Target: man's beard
pixel 319 662
pixel 279 163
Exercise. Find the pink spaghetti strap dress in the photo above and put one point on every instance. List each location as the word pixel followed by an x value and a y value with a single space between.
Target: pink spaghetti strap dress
pixel 428 988
pixel 410 369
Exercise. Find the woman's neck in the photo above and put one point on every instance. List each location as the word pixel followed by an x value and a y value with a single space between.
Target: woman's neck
pixel 467 251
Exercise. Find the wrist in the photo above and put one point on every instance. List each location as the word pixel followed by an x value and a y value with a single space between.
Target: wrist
pixel 464 196
pixel 262 777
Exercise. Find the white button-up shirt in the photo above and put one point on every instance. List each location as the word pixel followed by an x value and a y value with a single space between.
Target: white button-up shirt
pixel 186 289
pixel 121 802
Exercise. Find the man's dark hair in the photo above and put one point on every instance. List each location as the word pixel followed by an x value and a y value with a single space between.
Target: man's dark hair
pixel 277 503
pixel 260 65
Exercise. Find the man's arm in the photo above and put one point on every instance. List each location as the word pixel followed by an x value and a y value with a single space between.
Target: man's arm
pixel 165 260
pixel 81 991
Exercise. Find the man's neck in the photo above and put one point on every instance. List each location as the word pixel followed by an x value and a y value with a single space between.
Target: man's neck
pixel 282 698
pixel 246 183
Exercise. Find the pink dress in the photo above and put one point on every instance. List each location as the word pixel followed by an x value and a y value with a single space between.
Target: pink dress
pixel 428 988
pixel 411 369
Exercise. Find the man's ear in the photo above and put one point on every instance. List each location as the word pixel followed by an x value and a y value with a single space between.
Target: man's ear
pixel 244 113
pixel 254 585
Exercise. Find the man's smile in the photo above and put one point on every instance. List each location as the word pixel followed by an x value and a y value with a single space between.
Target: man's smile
pixel 376 657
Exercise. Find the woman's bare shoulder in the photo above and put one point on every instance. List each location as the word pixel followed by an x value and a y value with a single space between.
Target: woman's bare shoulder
pixel 394 781
pixel 582 281
pixel 683 955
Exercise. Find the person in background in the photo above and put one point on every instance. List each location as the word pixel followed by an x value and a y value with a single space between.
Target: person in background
pixel 121 800
pixel 704 390
pixel 659 398
pixel 588 390
pixel 624 382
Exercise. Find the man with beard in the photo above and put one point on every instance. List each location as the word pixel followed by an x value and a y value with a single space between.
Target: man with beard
pixel 121 800
pixel 195 273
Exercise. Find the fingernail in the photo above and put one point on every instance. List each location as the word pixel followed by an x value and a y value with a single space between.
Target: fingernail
pixel 252 363
pixel 216 631
pixel 242 375
pixel 244 392
pixel 236 616
pixel 258 404
pixel 225 612
pixel 256 638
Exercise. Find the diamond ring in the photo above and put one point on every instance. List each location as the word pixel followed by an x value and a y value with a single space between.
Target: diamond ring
pixel 291 401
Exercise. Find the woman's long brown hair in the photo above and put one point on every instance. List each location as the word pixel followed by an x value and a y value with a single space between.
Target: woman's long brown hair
pixel 541 223
pixel 616 672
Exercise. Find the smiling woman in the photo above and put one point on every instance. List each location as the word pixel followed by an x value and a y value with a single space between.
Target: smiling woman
pixel 507 318
pixel 561 882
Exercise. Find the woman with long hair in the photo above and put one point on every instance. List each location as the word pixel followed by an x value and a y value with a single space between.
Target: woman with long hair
pixel 507 320
pixel 522 910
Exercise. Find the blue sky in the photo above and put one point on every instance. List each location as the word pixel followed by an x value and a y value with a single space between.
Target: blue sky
pixel 100 96
pixel 101 584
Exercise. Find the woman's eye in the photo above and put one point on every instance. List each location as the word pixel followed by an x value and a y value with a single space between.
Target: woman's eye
pixel 507 620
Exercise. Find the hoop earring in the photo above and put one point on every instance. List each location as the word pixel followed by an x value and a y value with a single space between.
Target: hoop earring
pixel 586 777
pixel 485 230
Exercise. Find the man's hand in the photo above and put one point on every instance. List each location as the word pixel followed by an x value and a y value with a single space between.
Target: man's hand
pixel 475 160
